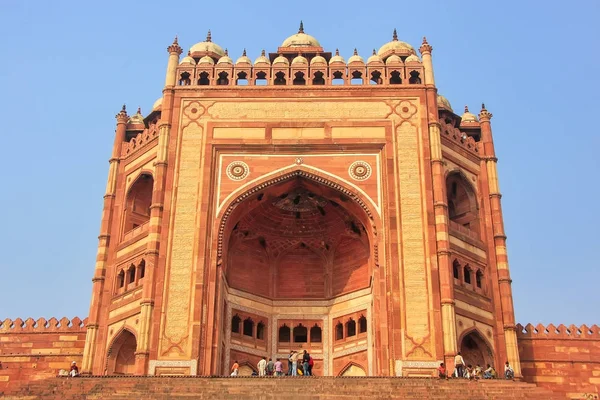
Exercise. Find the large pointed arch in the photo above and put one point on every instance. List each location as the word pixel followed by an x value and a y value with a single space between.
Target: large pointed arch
pixel 476 349
pixel 120 358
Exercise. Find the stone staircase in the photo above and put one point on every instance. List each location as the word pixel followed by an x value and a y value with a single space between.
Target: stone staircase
pixel 255 388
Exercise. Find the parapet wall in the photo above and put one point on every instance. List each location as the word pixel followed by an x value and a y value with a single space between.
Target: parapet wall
pixel 563 359
pixel 31 350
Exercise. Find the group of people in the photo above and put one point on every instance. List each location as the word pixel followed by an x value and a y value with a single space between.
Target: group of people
pixel 462 370
pixel 271 368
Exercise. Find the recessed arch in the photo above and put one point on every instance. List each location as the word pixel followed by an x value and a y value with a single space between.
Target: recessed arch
pixel 121 353
pixel 352 369
pixel 476 348
pixel 461 197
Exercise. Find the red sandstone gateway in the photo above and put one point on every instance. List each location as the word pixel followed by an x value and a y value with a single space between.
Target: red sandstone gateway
pixel 301 202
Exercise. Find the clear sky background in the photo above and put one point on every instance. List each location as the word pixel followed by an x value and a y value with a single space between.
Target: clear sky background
pixel 68 66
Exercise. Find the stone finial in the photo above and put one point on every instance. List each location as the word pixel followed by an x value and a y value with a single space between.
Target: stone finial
pixel 301 29
pixel 337 52
pixel 374 52
pixel 484 114
pixel 139 111
pixel 466 109
pixel 174 47
pixel 189 53
pixel 262 53
pixel 425 46
pixel 209 36
pixel 244 53
pixel 226 52
pixel 122 115
pixel 355 52
pixel 395 35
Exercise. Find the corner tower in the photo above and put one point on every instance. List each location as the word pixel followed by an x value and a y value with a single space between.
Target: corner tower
pixel 300 202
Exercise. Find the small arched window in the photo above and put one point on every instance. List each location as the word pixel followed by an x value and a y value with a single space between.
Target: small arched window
pixel 467 274
pixel 300 334
pixel 338 78
pixel 235 323
pixel 456 269
pixel 318 78
pixel 415 78
pixel 299 79
pixel 139 199
pixel 121 279
pixel 462 205
pixel 131 274
pixel 362 324
pixel 395 78
pixel 184 79
pixel 315 334
pixel 242 79
pixel 261 79
pixel 284 334
pixel 376 78
pixel 260 331
pixel 248 327
pixel 279 78
pixel 339 331
pixel 356 78
pixel 350 328
pixel 478 278
pixel 142 268
pixel 223 78
pixel 203 79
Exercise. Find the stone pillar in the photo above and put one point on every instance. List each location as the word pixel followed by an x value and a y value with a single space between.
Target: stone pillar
pixel 499 237
pixel 103 243
pixel 425 50
pixel 174 52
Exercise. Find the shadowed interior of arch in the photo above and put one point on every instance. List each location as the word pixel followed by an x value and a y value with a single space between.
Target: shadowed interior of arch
pixel 298 239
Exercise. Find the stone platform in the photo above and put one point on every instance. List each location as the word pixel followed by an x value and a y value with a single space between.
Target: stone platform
pixel 255 388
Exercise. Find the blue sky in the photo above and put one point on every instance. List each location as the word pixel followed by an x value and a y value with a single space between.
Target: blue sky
pixel 68 66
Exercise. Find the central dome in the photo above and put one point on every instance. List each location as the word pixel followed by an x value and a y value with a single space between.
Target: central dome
pixel 208 46
pixel 396 47
pixel 301 39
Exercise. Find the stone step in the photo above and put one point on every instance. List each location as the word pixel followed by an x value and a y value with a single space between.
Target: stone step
pixel 283 388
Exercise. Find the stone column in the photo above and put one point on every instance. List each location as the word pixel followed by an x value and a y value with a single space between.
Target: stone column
pixel 156 208
pixel 504 281
pixel 425 50
pixel 103 243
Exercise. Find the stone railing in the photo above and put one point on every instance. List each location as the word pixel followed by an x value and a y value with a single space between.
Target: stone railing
pixel 42 325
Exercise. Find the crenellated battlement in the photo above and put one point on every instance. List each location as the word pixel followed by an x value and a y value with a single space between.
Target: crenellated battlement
pixel 561 331
pixel 462 139
pixel 141 140
pixel 41 325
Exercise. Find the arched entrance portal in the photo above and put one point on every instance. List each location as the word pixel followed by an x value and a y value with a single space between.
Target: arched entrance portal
pixel 121 357
pixel 475 350
pixel 297 259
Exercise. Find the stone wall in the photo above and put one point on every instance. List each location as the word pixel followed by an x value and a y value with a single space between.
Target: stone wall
pixel 31 350
pixel 563 359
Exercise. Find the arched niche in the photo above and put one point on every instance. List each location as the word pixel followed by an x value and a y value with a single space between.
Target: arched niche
pixel 121 354
pixel 475 349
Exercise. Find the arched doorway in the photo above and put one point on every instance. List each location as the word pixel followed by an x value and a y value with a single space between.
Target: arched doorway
pixel 475 350
pixel 121 357
pixel 295 251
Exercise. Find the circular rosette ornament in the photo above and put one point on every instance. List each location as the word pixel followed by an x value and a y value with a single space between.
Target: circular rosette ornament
pixel 237 170
pixel 360 170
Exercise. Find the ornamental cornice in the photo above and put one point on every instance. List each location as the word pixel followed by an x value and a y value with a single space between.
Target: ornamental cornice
pixel 113 160
pixel 499 236
pixel 98 279
pixel 159 206
pixel 498 195
pixel 490 158
pixel 147 302
pixel 109 196
pixel 159 164
pixel 505 280
pixel 441 204
pixel 104 236
pixel 449 302
pixel 510 327
pixel 444 252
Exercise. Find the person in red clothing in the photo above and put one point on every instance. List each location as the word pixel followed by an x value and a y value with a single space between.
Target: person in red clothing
pixel 442 371
pixel 74 369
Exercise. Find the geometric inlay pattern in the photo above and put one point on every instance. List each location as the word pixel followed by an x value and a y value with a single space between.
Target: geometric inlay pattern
pixel 237 170
pixel 360 170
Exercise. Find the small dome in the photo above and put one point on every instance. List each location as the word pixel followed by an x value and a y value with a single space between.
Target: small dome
pixel 337 58
pixel 393 59
pixel 225 59
pixel 206 60
pixel 262 59
pixel 208 46
pixel 318 60
pixel 374 58
pixel 355 58
pixel 412 58
pixel 188 60
pixel 396 47
pixel 281 60
pixel 443 102
pixel 157 104
pixel 244 59
pixel 301 39
pixel 468 117
pixel 299 60
pixel 137 118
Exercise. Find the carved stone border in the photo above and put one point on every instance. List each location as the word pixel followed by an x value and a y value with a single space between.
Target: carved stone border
pixel 350 350
pixel 401 364
pixel 192 364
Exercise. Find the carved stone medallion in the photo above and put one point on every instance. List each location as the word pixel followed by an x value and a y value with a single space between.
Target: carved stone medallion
pixel 237 170
pixel 360 170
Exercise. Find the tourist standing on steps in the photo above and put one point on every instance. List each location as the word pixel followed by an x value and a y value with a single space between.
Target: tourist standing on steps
pixel 294 359
pixel 262 367
pixel 235 368
pixel 278 368
pixel 270 367
pixel 305 361
pixel 509 373
pixel 459 364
